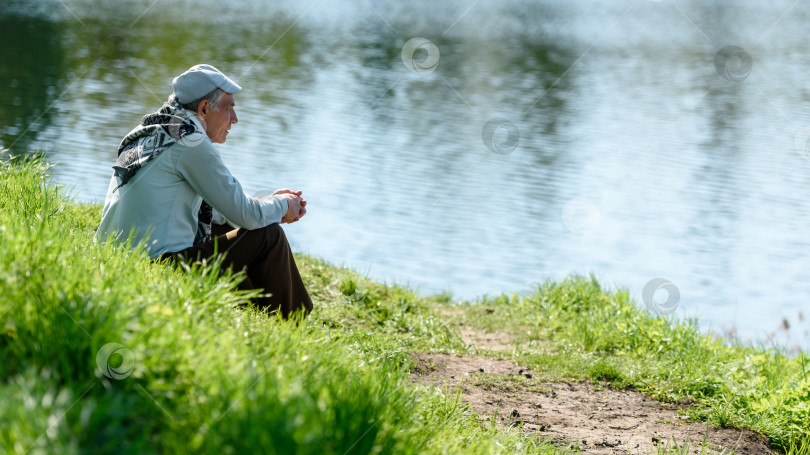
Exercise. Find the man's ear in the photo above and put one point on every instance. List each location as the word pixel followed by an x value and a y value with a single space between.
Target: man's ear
pixel 203 108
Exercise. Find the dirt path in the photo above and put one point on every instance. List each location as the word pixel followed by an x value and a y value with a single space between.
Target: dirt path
pixel 596 419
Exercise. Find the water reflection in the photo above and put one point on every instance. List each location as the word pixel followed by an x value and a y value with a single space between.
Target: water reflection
pixel 32 78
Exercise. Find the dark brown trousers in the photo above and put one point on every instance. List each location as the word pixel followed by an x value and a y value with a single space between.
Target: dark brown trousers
pixel 266 257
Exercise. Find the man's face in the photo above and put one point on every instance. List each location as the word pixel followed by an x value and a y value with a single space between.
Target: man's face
pixel 218 122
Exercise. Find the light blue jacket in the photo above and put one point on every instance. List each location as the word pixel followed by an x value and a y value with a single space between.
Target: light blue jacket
pixel 160 203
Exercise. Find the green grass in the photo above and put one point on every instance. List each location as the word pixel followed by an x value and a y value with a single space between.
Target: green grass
pixel 197 374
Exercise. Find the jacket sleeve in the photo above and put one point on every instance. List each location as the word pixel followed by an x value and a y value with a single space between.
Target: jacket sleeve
pixel 218 218
pixel 203 169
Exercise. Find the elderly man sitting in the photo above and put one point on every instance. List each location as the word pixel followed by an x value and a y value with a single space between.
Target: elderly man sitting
pixel 169 184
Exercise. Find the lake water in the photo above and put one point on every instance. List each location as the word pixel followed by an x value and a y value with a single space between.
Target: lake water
pixel 514 141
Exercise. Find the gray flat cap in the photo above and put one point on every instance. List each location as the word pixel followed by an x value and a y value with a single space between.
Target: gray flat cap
pixel 200 80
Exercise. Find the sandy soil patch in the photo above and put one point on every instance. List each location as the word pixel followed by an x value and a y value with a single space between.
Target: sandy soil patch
pixel 599 420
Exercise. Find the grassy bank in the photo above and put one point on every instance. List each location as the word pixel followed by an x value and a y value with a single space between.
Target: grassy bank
pixel 193 374
pixel 189 373
pixel 575 330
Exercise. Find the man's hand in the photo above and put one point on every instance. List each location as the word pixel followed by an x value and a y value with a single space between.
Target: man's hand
pixel 287 191
pixel 296 205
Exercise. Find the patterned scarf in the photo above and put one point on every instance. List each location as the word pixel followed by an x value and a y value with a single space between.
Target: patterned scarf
pixel 157 132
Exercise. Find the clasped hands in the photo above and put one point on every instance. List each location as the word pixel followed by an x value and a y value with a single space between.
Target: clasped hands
pixel 296 205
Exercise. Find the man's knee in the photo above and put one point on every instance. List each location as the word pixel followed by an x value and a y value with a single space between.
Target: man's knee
pixel 250 245
pixel 274 230
pixel 273 234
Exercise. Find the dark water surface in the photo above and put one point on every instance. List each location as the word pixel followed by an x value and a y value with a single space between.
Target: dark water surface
pixel 625 144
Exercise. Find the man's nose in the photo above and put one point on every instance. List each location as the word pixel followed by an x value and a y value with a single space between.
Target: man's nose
pixel 233 117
